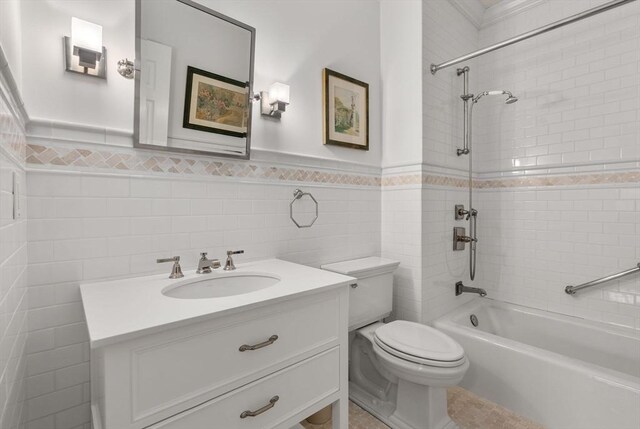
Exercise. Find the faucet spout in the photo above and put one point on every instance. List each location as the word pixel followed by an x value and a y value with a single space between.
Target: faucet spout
pixel 460 289
pixel 206 265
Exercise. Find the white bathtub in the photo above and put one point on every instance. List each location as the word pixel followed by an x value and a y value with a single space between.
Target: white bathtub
pixel 563 372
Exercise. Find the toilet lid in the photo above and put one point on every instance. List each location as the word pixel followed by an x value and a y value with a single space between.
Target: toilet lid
pixel 416 340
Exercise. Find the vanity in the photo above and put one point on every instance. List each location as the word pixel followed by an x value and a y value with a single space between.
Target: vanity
pixel 260 347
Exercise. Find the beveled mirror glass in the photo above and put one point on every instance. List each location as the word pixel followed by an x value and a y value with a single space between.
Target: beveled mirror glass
pixel 194 86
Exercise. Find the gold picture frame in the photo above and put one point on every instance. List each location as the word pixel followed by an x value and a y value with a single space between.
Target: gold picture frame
pixel 345 110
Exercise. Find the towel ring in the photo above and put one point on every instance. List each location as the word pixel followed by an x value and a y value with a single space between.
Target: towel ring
pixel 297 195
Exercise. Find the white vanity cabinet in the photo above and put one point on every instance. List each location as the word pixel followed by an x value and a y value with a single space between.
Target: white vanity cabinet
pixel 264 365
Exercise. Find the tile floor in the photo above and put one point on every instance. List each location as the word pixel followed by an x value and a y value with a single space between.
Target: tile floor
pixel 466 409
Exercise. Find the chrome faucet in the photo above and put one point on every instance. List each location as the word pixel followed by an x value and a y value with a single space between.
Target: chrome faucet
pixel 205 265
pixel 176 270
pixel 229 266
pixel 460 289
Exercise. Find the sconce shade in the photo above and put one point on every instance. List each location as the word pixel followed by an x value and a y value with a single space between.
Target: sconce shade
pixel 279 93
pixel 86 39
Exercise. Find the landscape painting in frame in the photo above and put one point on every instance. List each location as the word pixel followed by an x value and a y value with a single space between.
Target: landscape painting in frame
pixel 346 110
pixel 215 103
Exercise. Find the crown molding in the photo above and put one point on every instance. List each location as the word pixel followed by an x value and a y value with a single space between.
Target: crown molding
pixel 470 9
pixel 10 89
pixel 481 17
pixel 506 9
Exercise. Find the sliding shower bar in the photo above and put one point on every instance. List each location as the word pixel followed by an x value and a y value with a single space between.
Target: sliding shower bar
pixel 574 18
pixel 571 290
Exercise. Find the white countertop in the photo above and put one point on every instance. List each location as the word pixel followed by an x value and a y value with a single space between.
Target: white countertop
pixel 118 310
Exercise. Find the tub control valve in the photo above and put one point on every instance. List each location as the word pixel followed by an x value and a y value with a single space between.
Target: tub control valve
pixel 459 238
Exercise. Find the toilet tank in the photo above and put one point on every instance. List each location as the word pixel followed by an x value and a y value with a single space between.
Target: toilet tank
pixel 371 298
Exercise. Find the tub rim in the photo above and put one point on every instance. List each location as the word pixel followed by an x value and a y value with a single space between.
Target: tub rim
pixel 450 322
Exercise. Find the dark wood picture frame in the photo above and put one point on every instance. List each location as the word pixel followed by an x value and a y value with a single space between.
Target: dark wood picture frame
pixel 333 138
pixel 188 98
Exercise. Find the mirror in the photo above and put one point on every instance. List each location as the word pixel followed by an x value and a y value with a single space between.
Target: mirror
pixel 193 89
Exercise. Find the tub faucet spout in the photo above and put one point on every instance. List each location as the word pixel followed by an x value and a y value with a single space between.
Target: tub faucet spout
pixel 460 289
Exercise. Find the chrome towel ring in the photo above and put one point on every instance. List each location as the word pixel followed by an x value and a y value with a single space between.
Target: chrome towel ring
pixel 298 195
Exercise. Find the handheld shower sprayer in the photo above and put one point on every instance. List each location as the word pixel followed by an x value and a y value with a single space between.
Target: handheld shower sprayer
pixel 470 100
pixel 510 97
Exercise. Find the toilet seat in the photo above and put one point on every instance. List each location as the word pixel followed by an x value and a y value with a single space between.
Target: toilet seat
pixel 419 344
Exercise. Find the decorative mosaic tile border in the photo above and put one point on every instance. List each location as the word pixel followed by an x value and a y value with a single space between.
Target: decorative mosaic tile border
pixel 139 161
pixel 423 179
pixel 151 162
pixel 565 180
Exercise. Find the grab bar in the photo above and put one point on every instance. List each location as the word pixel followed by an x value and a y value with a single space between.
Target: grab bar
pixel 571 290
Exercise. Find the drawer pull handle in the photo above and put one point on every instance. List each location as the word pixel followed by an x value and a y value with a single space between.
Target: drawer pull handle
pixel 272 339
pixel 354 285
pixel 259 411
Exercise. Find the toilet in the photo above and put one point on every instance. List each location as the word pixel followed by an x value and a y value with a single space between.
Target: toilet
pixel 398 371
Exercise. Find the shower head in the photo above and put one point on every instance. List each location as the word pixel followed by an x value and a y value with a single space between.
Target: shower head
pixel 510 97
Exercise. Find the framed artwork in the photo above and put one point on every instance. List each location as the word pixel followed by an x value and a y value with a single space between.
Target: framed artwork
pixel 216 104
pixel 345 110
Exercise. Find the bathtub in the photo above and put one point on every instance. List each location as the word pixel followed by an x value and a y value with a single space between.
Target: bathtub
pixel 562 372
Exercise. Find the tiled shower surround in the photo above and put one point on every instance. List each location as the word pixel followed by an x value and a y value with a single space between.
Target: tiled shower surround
pixel 535 241
pixel 578 112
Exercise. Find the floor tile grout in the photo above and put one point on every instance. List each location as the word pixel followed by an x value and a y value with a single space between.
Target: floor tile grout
pixel 468 410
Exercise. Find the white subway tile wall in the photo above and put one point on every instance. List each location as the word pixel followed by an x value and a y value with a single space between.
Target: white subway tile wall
pixel 446 34
pixel 401 241
pixel 13 270
pixel 90 227
pixel 578 111
pixel 534 242
pixel 441 266
pixel 578 90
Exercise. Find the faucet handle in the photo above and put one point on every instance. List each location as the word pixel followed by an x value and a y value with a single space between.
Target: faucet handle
pixel 203 255
pixel 176 270
pixel 229 266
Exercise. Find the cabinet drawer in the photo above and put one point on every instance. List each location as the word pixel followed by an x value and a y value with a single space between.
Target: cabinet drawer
pixel 296 388
pixel 210 363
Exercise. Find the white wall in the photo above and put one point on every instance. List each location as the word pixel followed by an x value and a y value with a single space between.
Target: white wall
pixel 294 42
pixel 51 93
pixel 401 75
pixel 400 66
pixel 11 37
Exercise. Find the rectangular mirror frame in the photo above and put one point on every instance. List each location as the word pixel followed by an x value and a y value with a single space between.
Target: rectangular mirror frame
pixel 136 119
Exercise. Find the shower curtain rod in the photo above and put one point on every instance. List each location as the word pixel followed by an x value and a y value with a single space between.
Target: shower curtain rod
pixel 524 36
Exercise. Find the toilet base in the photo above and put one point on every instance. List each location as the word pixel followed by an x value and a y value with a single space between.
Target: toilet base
pixel 426 417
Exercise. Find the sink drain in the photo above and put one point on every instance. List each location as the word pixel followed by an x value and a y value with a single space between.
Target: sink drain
pixel 474 320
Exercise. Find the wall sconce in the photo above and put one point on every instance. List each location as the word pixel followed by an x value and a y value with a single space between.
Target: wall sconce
pixel 275 101
pixel 83 51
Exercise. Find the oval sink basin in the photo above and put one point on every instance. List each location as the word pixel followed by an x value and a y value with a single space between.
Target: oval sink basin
pixel 221 286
